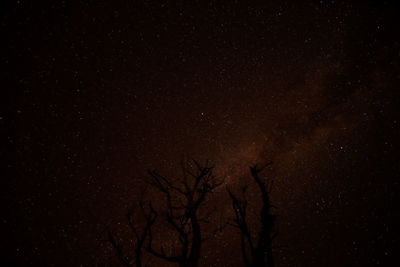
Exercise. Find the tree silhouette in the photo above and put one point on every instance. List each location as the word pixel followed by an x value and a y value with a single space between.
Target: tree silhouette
pixel 183 208
pixel 140 233
pixel 256 253
pixel 183 199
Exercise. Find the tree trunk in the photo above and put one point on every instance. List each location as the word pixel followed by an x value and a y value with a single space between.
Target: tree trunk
pixel 194 255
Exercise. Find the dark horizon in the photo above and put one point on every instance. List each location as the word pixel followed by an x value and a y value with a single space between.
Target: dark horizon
pixel 100 92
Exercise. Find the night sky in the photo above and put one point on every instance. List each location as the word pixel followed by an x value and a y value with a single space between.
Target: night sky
pixel 97 92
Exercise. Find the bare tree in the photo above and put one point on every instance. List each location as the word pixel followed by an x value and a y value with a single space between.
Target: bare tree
pixel 255 252
pixel 183 199
pixel 130 257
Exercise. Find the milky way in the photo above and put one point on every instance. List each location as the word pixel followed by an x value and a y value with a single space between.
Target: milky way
pixel 106 90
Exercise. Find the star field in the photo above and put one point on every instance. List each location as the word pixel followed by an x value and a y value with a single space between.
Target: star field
pixel 103 91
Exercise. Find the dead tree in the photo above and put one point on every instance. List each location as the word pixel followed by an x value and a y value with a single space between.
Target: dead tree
pixel 183 199
pixel 130 257
pixel 256 252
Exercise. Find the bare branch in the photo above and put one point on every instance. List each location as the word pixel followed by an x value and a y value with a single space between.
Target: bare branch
pixel 255 253
pixel 119 250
